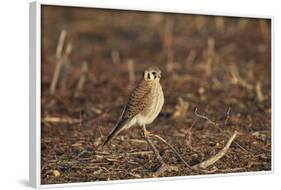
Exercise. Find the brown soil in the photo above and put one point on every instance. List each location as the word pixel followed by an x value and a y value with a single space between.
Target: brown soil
pixel 228 80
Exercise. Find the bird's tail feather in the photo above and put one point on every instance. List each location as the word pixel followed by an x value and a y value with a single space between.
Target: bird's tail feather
pixel 115 131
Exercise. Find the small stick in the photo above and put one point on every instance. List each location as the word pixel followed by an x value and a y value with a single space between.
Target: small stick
pixel 137 141
pixel 244 148
pixel 139 153
pixel 210 55
pixel 115 56
pixel 134 175
pixel 211 47
pixel 259 92
pixel 225 122
pixel 181 108
pixel 190 134
pixel 131 70
pixel 174 151
pixel 60 44
pixel 236 79
pixel 232 170
pixel 218 156
pixel 164 168
pixel 56 76
pixel 58 68
pixel 65 68
pixel 204 117
pixel 227 116
pixel 82 79
pixel 60 120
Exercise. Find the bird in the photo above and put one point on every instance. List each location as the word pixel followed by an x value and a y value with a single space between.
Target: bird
pixel 144 104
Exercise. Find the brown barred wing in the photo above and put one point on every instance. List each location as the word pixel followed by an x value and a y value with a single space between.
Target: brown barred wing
pixel 138 100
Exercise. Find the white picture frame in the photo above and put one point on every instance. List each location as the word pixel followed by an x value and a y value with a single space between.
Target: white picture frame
pixel 35 92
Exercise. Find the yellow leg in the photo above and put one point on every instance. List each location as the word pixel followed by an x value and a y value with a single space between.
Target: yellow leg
pixel 145 132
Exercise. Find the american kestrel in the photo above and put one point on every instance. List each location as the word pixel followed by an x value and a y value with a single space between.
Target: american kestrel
pixel 144 105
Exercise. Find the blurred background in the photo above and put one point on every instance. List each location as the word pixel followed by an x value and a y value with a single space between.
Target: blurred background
pixel 91 61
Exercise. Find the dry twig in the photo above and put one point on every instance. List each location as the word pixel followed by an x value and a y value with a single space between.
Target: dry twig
pixel 60 44
pixel 204 117
pixel 225 122
pixel 82 80
pixel 218 156
pixel 131 70
pixel 259 92
pixel 115 56
pixel 236 79
pixel 60 120
pixel 181 109
pixel 164 168
pixel 58 70
pixel 139 153
pixel 174 151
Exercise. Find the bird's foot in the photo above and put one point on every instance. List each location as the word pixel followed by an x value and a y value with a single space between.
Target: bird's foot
pixel 147 133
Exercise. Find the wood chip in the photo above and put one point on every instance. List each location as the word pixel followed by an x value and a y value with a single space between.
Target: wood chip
pixel 56 173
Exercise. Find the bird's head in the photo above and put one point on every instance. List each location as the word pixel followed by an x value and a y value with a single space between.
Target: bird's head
pixel 152 74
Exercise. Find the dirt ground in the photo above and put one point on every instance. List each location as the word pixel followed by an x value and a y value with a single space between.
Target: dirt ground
pixel 218 66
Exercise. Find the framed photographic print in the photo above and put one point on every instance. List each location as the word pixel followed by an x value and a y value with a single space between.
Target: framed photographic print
pixel 135 94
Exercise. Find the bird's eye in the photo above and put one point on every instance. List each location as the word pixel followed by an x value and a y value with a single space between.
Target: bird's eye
pixel 154 73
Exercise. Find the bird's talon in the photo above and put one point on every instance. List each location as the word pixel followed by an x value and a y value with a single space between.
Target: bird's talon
pixel 147 133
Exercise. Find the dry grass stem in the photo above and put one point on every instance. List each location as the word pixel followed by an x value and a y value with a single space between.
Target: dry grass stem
pixel 218 156
pixel 131 71
pixel 83 77
pixel 236 79
pixel 61 60
pixel 60 120
pixel 163 169
pixel 181 109
pixel 221 130
pixel 227 116
pixel 140 153
pixel 259 92
pixel 56 76
pixel 204 117
pixel 211 47
pixel 210 56
pixel 115 56
pixel 60 44
pixel 174 151
pixel 137 141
